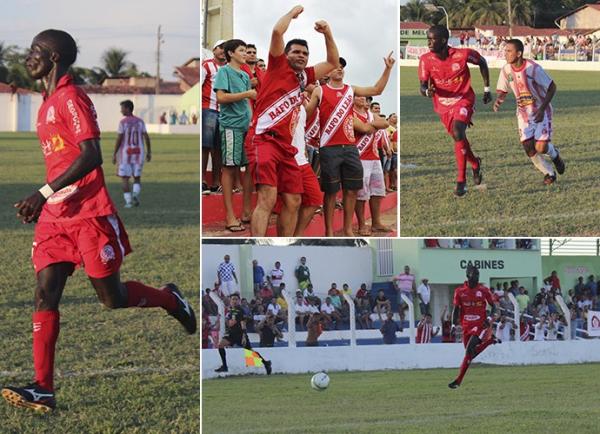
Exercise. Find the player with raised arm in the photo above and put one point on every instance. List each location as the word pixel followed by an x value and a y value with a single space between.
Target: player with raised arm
pixel 470 304
pixel 76 219
pixel 269 144
pixel 130 153
pixel 235 323
pixel 533 90
pixel 445 77
pixel 339 156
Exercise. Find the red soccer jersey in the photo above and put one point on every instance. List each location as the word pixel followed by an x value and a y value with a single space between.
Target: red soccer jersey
pixel 336 115
pixel 208 71
pixel 366 143
pixel 278 103
pixel 65 119
pixel 312 129
pixel 451 77
pixel 472 303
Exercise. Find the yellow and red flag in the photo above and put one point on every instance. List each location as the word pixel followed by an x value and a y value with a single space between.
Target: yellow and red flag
pixel 252 359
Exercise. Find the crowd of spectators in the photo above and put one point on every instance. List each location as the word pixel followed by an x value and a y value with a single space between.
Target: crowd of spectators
pixel 172 118
pixel 478 243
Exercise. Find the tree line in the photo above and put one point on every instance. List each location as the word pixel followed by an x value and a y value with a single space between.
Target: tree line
pixel 114 64
pixel 467 13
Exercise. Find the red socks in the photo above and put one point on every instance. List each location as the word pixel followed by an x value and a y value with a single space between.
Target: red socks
pixel 463 368
pixel 46 325
pixel 463 153
pixel 140 295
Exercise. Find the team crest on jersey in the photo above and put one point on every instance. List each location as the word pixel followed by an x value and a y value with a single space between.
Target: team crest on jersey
pixel 50 115
pixel 349 128
pixel 107 254
pixel 463 111
pixel 339 94
pixel 478 294
pixel 455 67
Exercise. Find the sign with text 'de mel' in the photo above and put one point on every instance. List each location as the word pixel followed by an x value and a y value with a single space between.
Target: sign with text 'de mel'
pixel 593 323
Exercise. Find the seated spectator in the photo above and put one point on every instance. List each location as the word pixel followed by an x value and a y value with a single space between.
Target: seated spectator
pixel 363 312
pixel 431 243
pixel 382 304
pixel 335 296
pixel 362 292
pixel 330 313
pixel 268 331
pixel 389 328
pixel 245 307
pixel 346 290
pixel 310 295
pixel 276 310
pixel 315 328
pixel 265 294
pixel 259 313
pixel 303 310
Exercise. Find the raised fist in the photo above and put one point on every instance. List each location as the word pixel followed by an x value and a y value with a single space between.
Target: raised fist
pixel 322 26
pixel 296 10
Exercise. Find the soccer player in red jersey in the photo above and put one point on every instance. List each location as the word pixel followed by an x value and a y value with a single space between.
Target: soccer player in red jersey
pixel 76 219
pixel 444 76
pixel 470 303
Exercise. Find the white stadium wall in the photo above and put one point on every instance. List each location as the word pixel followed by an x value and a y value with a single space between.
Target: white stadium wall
pixel 401 356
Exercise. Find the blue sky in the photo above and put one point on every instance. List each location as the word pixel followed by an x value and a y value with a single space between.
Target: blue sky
pixel 127 24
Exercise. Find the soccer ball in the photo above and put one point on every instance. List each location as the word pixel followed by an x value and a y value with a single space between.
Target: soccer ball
pixel 319 381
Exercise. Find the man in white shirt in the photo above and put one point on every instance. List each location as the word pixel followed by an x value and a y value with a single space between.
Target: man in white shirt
pixel 504 328
pixel 540 329
pixel 276 277
pixel 424 294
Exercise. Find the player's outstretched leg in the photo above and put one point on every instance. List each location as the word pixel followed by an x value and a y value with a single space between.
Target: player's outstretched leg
pixel 470 354
pixel 223 355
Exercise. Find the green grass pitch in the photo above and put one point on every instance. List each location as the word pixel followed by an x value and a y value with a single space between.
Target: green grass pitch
pixel 128 370
pixel 492 399
pixel 515 202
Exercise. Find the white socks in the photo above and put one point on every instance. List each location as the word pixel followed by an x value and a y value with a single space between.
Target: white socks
pixel 542 164
pixel 137 188
pixel 127 197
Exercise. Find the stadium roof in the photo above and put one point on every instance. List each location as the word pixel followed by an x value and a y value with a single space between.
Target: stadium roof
pixel 414 25
pixel 189 75
pixel 590 5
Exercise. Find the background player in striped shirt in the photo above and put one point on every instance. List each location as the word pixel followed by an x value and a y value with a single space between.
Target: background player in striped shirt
pixel 129 153
pixel 533 90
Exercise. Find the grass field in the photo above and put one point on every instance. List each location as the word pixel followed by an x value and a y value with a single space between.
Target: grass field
pixel 128 370
pixel 532 399
pixel 515 203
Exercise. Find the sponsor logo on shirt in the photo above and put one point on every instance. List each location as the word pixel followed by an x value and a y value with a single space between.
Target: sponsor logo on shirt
pixel 50 115
pixel 75 116
pixel 53 144
pixel 472 317
pixel 455 67
pixel 62 194
pixel 107 254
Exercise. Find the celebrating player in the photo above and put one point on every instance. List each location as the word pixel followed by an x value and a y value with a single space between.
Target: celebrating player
pixel 129 153
pixel 236 334
pixel 470 306
pixel 77 221
pixel 533 90
pixel 444 76
pixel 269 141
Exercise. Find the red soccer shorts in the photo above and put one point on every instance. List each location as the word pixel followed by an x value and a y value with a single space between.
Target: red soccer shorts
pixel 312 195
pixel 271 164
pixel 462 112
pixel 476 329
pixel 97 243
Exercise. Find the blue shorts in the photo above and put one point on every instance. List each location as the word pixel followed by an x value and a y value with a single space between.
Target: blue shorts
pixel 211 138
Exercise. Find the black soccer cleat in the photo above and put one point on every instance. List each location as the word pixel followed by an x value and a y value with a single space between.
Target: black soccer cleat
pixel 268 368
pixel 559 164
pixel 549 179
pixel 32 397
pixel 477 175
pixel 184 312
pixel 454 385
pixel 461 189
pixel 222 369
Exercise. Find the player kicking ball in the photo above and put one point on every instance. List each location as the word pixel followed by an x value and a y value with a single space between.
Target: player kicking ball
pixel 76 219
pixel 236 334
pixel 470 306
pixel 533 90
pixel 445 77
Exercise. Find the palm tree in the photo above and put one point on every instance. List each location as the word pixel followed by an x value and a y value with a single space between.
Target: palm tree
pixel 414 10
pixel 486 12
pixel 115 62
pixel 522 12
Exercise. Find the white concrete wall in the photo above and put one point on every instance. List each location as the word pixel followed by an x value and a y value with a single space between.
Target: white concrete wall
pixel 425 356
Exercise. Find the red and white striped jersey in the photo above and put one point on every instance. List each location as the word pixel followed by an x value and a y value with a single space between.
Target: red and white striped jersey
pixel 132 146
pixel 424 332
pixel 336 115
pixel 366 142
pixel 313 129
pixel 207 77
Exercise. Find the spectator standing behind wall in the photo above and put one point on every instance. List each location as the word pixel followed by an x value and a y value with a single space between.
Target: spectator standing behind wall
pixel 258 276
pixel 226 277
pixel 315 328
pixel 389 328
pixel 424 294
pixel 268 331
pixel 302 274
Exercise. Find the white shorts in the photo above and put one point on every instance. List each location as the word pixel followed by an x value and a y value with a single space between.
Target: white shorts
pixel 528 129
pixel 229 288
pixel 373 181
pixel 127 170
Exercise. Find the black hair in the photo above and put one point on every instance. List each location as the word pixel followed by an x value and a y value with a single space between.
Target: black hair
pixel 291 42
pixel 517 44
pixel 251 46
pixel 235 294
pixel 128 104
pixel 374 103
pixel 62 43
pixel 232 45
pixel 440 31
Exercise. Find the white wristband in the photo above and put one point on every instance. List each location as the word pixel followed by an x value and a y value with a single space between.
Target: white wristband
pixel 46 191
pixel 486 89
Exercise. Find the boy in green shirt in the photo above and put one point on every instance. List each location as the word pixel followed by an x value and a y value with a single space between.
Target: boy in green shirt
pixel 232 87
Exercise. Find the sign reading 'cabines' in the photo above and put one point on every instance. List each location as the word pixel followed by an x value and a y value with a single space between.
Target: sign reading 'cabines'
pixel 484 264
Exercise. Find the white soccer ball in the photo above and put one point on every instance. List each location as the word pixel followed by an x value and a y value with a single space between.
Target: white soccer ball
pixel 319 381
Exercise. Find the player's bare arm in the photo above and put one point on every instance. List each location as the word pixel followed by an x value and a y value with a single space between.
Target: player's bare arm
pixel 148 147
pixel 118 144
pixel 277 45
pixel 313 103
pixel 456 315
pixel 228 98
pixel 538 116
pixel 500 97
pixel 379 122
pixel 29 209
pixel 379 87
pixel 485 74
pixel 333 57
